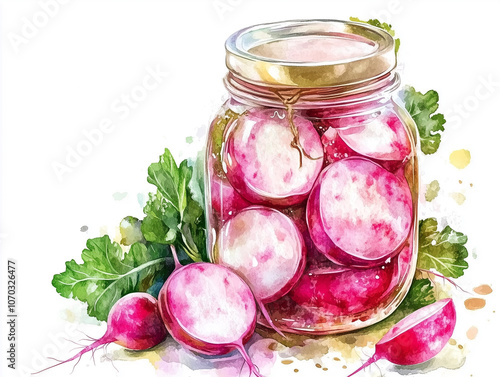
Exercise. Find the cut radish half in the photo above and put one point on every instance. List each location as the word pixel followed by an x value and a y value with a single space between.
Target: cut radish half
pixel 261 163
pixel 358 213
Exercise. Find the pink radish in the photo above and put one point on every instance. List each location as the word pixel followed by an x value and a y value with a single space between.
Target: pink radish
pixel 134 322
pixel 226 201
pixel 261 163
pixel 208 309
pixel 335 148
pixel 343 291
pixel 271 262
pixel 418 337
pixel 358 213
pixel 381 136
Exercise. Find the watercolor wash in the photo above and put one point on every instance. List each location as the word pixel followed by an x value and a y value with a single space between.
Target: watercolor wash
pixel 300 220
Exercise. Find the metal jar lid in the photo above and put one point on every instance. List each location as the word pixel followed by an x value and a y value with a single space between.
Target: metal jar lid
pixel 310 53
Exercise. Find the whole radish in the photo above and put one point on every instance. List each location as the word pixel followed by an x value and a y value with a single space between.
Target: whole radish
pixel 261 162
pixel 208 309
pixel 134 322
pixel 272 262
pixel 418 337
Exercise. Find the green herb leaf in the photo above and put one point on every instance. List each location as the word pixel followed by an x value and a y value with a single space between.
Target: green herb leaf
pixel 421 108
pixel 444 251
pixel 107 274
pixel 382 25
pixel 421 294
pixel 173 216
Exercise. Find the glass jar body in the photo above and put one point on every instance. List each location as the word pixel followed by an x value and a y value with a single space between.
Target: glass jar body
pixel 346 174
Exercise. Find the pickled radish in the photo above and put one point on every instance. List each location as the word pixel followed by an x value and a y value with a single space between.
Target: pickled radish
pixel 261 163
pixel 343 291
pixel 272 262
pixel 226 201
pixel 208 309
pixel 418 337
pixel 358 213
pixel 335 148
pixel 381 136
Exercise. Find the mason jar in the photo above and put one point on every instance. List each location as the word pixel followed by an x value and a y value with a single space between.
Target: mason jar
pixel 312 167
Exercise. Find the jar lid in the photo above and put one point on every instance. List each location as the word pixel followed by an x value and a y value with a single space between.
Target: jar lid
pixel 310 53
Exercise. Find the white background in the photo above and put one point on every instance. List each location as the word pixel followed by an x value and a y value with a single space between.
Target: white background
pixel 64 79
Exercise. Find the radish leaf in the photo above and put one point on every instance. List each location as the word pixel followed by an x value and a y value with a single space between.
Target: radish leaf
pixel 107 274
pixel 444 251
pixel 421 108
pixel 173 216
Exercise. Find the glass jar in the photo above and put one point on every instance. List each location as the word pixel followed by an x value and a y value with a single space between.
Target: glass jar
pixel 312 175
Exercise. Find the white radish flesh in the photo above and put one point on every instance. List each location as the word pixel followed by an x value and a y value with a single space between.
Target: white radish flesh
pixel 261 163
pixel 358 213
pixel 209 309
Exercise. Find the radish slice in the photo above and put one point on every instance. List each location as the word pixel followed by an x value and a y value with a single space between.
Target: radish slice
pixel 226 201
pixel 261 163
pixel 208 309
pixel 272 262
pixel 358 213
pixel 418 337
pixel 381 136
pixel 341 290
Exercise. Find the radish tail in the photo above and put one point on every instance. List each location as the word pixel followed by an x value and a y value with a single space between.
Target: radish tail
pixel 265 313
pixel 176 258
pixel 370 361
pixel 252 366
pixel 99 342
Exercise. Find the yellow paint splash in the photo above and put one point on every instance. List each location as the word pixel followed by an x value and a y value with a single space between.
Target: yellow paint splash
pixel 458 197
pixel 460 158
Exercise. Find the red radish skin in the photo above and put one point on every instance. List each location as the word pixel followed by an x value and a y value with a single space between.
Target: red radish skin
pixel 272 262
pixel 134 322
pixel 358 213
pixel 208 309
pixel 260 162
pixel 418 337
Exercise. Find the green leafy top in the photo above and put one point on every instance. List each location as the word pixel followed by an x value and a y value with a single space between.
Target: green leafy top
pixel 421 108
pixel 107 274
pixel 444 251
pixel 173 216
pixel 382 25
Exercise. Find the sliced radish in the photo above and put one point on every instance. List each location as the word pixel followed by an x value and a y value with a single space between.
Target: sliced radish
pixel 343 291
pixel 265 247
pixel 358 213
pixel 381 136
pixel 418 337
pixel 261 163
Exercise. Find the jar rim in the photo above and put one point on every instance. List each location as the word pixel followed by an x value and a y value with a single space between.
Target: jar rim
pixel 310 53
